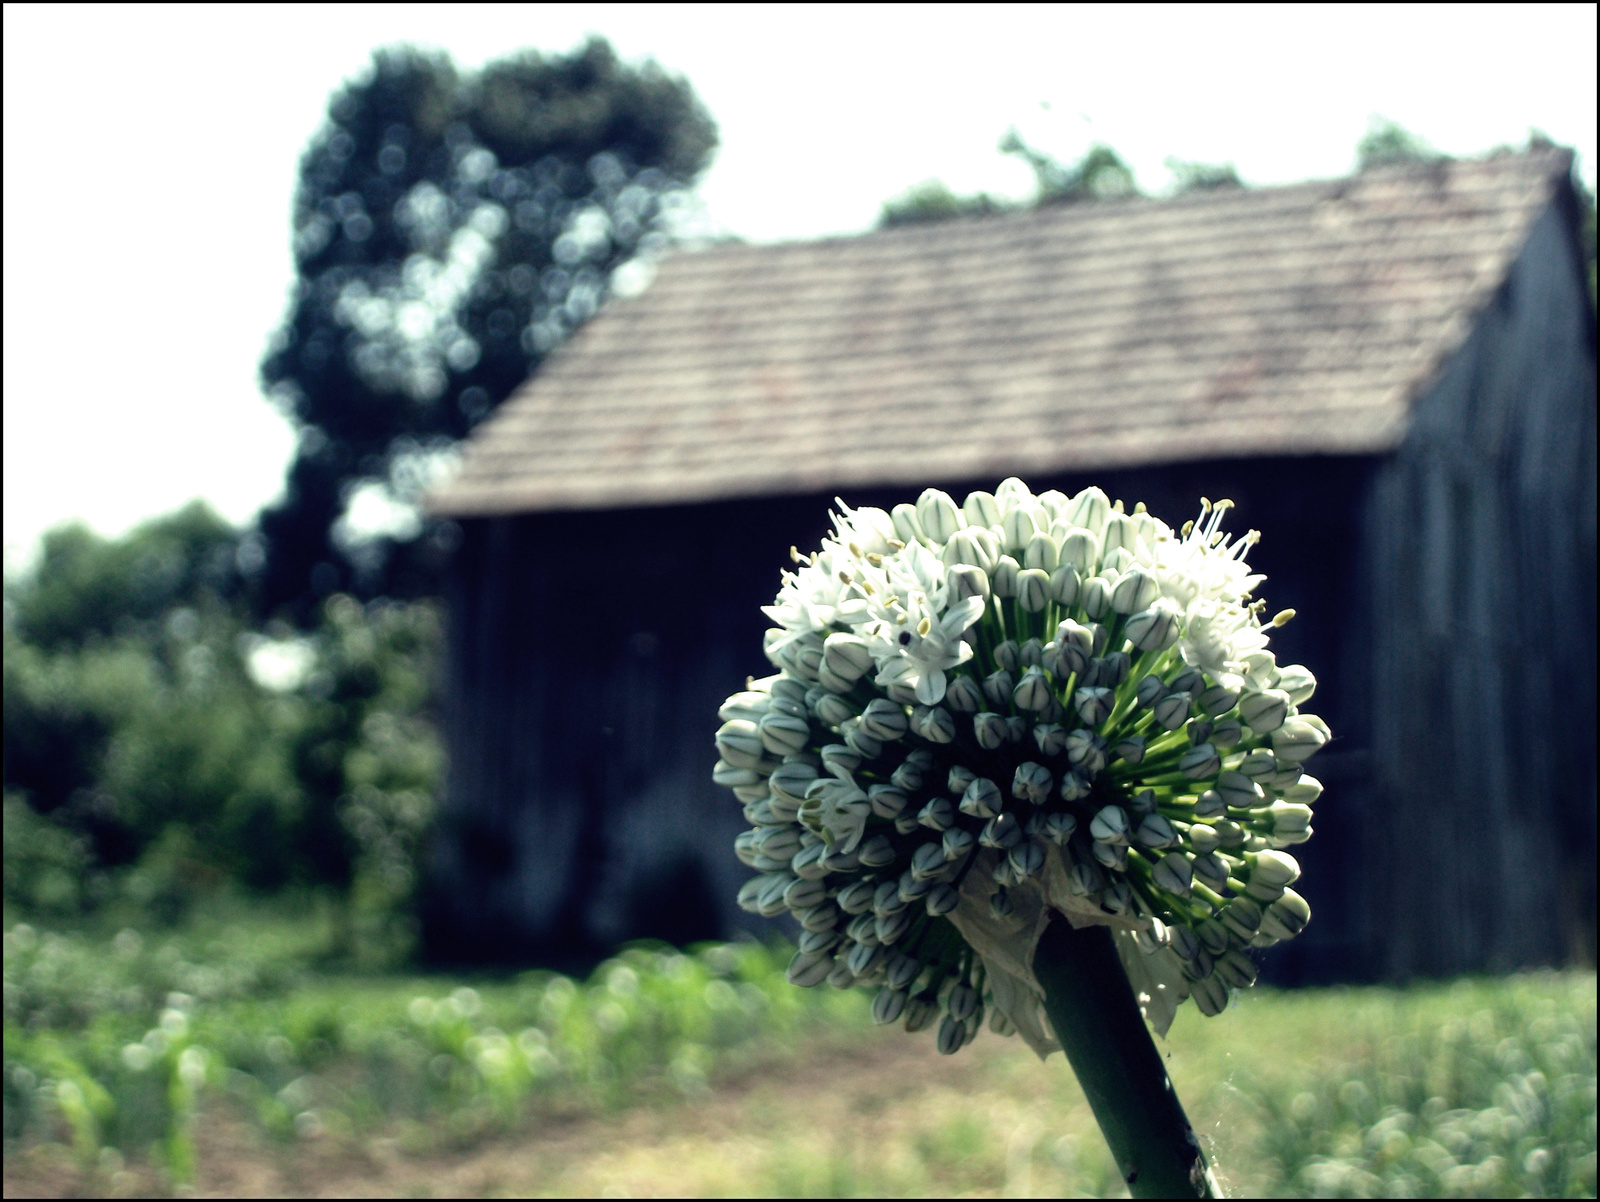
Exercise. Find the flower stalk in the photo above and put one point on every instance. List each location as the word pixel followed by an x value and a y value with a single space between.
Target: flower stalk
pixel 1094 1013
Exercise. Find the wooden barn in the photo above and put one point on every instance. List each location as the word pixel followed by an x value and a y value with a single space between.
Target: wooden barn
pixel 1392 375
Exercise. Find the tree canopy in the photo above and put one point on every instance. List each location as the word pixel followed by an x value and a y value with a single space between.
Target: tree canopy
pixel 449 231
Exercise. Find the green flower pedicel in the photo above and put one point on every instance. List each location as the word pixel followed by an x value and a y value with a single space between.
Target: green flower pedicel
pixel 991 714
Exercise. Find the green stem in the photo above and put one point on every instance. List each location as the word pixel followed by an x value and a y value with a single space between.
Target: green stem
pixel 1094 1014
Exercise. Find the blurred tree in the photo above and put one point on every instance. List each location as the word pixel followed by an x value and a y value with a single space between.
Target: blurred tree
pixel 1099 175
pixel 450 231
pixel 85 586
pixel 933 200
pixel 1387 142
pixel 1201 177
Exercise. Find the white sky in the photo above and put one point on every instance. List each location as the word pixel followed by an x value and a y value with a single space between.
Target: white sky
pixel 150 157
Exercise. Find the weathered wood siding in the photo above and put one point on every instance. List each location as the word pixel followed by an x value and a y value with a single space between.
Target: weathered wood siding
pixel 1481 556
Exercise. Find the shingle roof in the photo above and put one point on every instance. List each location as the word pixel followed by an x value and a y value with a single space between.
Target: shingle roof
pixel 1280 321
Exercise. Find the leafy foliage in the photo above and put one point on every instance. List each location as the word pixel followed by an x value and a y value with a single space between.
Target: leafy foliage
pixel 449 231
pixel 1387 142
pixel 147 765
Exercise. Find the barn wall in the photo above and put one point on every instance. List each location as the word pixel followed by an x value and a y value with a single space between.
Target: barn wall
pixel 1481 547
pixel 582 702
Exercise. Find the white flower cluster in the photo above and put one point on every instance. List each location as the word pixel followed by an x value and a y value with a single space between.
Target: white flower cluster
pixel 1021 705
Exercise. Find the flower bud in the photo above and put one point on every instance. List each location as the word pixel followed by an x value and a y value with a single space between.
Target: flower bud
pixel 1212 869
pixel 1063 585
pixel 841 977
pixel 1238 790
pixel 863 928
pixel 952 1035
pixel 890 927
pixel 1076 643
pixel 1031 782
pixel 1058 827
pixel 1073 786
pixel 938 515
pixel 1199 761
pixel 729 777
pixel 1001 832
pixel 1198 730
pixel 942 898
pixel 858 740
pixel 982 798
pixel 910 774
pixel 1264 712
pixel 1236 969
pixel 1217 700
pixel 1087 751
pixel 963 694
pixel 934 723
pixel 997 687
pixel 1094 594
pixel 1004 579
pixel 1242 916
pixel 791 779
pixel 807 862
pixel 1085 879
pixel 1229 832
pixel 1155 628
pixel 803 894
pixel 1298 683
pixel 1110 825
pixel 745 848
pixel 1289 818
pixel 1155 832
pixel 906 823
pixel 962 1002
pixel 884 720
pixel 1018 529
pixel 863 958
pixel 749 706
pixel 1026 859
pixel 1210 996
pixel 967 580
pixel 1032 692
pixel 1202 838
pixel 886 898
pixel 1286 917
pixel 1210 804
pixel 1227 733
pixel 928 860
pixel 956 843
pixel 819 941
pixel 876 852
pixel 1118 897
pixel 840 861
pixel 739 744
pixel 1304 791
pixel 1296 741
pixel 832 710
pixel 1094 704
pixel 1000 904
pixel 809 968
pixel 886 801
pixel 1033 589
pixel 1050 738
pixel 770 902
pixel 1131 749
pixel 888 1006
pixel 1172 711
pixel 1174 873
pixel 779 842
pixel 906 526
pixel 1042 553
pixel 856 898
pixel 989 729
pixel 1135 591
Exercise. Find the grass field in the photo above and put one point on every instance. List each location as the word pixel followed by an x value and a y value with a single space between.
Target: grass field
pixel 217 1064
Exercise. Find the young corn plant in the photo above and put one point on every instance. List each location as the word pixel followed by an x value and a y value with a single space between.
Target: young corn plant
pixel 1030 758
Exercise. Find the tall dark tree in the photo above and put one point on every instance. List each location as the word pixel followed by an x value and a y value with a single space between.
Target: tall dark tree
pixel 449 231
